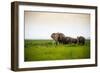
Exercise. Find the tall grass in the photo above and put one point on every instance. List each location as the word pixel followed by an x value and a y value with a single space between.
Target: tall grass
pixel 38 50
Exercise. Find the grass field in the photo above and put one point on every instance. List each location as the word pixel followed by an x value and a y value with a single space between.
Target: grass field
pixel 40 50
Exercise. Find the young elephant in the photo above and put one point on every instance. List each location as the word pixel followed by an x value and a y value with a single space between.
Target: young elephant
pixel 57 37
pixel 81 40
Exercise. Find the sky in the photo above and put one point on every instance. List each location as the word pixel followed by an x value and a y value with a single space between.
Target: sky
pixel 40 25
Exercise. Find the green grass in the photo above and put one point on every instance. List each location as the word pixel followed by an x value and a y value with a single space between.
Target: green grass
pixel 40 50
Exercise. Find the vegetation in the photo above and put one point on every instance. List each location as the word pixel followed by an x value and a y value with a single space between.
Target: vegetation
pixel 38 50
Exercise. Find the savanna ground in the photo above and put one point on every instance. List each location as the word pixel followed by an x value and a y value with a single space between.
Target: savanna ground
pixel 41 50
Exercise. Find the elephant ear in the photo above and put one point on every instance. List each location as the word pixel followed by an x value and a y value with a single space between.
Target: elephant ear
pixel 56 36
pixel 61 36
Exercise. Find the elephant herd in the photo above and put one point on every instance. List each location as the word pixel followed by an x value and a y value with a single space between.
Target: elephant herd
pixel 62 39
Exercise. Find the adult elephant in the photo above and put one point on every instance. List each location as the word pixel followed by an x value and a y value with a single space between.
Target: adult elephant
pixel 57 37
pixel 74 40
pixel 69 40
pixel 66 40
pixel 81 40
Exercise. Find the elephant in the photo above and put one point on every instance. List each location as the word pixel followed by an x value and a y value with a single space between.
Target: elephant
pixel 61 38
pixel 57 37
pixel 81 40
pixel 74 40
pixel 69 40
pixel 66 40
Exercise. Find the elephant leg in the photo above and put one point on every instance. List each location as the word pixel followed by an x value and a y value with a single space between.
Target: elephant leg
pixel 57 43
pixel 83 42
